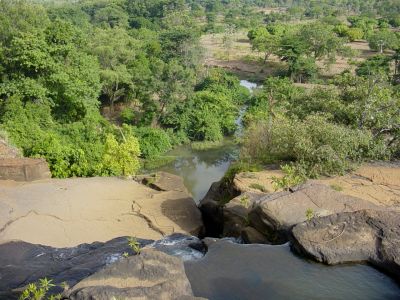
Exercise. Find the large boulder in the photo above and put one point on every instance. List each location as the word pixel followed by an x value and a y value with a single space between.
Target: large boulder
pixel 274 215
pixel 69 212
pixel 24 169
pixel 150 275
pixel 363 236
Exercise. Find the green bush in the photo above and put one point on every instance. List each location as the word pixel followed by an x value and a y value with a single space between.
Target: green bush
pixel 316 146
pixel 153 141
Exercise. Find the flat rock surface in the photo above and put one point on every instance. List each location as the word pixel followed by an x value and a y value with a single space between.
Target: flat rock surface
pixel 378 183
pixel 371 236
pixel 69 212
pixel 150 275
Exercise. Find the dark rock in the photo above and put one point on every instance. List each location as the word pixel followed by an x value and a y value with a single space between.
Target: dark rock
pixel 235 214
pixel 363 236
pixel 184 246
pixel 251 236
pixel 22 263
pixel 212 211
pixel 150 275
pixel 24 169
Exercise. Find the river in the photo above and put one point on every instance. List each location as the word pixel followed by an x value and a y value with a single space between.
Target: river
pixel 233 271
pixel 199 169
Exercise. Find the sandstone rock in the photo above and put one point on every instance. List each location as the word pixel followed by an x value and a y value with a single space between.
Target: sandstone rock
pixel 367 235
pixel 8 151
pixel 235 214
pixel 378 183
pixel 69 212
pixel 24 169
pixel 261 182
pixel 150 275
pixel 275 214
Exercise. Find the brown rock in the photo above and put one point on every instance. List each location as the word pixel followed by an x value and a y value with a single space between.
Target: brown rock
pixel 150 275
pixel 24 169
pixel 274 215
pixel 363 236
pixel 69 212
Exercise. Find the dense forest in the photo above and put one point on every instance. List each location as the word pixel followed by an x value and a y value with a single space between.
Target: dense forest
pixel 98 87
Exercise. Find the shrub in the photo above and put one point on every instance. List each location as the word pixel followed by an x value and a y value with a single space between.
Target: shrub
pixel 121 158
pixel 127 115
pixel 153 141
pixel 316 146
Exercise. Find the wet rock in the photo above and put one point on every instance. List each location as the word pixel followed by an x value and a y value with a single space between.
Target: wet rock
pixel 274 215
pixel 251 236
pixel 363 236
pixel 184 246
pixel 22 263
pixel 150 275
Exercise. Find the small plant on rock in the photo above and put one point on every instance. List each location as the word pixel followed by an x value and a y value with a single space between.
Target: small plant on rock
pixel 310 214
pixel 134 245
pixel 336 187
pixel 291 178
pixel 245 201
pixel 259 187
pixel 39 290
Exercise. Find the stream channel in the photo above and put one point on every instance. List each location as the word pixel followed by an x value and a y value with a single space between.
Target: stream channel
pixel 234 271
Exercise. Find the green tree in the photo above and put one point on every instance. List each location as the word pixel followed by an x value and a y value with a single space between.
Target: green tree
pixel 383 40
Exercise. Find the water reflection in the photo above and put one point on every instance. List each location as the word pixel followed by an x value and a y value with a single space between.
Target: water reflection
pixel 200 169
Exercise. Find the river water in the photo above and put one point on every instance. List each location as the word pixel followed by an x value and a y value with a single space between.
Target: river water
pixel 199 169
pixel 233 271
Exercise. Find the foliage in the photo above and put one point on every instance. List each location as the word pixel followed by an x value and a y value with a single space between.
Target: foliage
pixel 316 146
pixel 134 245
pixel 383 39
pixel 153 141
pixel 259 187
pixel 39 291
pixel 378 64
pixel 121 158
pixel 292 177
pixel 310 214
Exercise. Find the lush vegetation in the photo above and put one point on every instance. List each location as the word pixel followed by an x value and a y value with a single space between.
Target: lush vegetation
pixel 96 86
pixel 137 62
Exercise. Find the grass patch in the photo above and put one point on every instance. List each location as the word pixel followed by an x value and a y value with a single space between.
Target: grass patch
pixel 259 187
pixel 157 162
pixel 205 145
pixel 336 187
